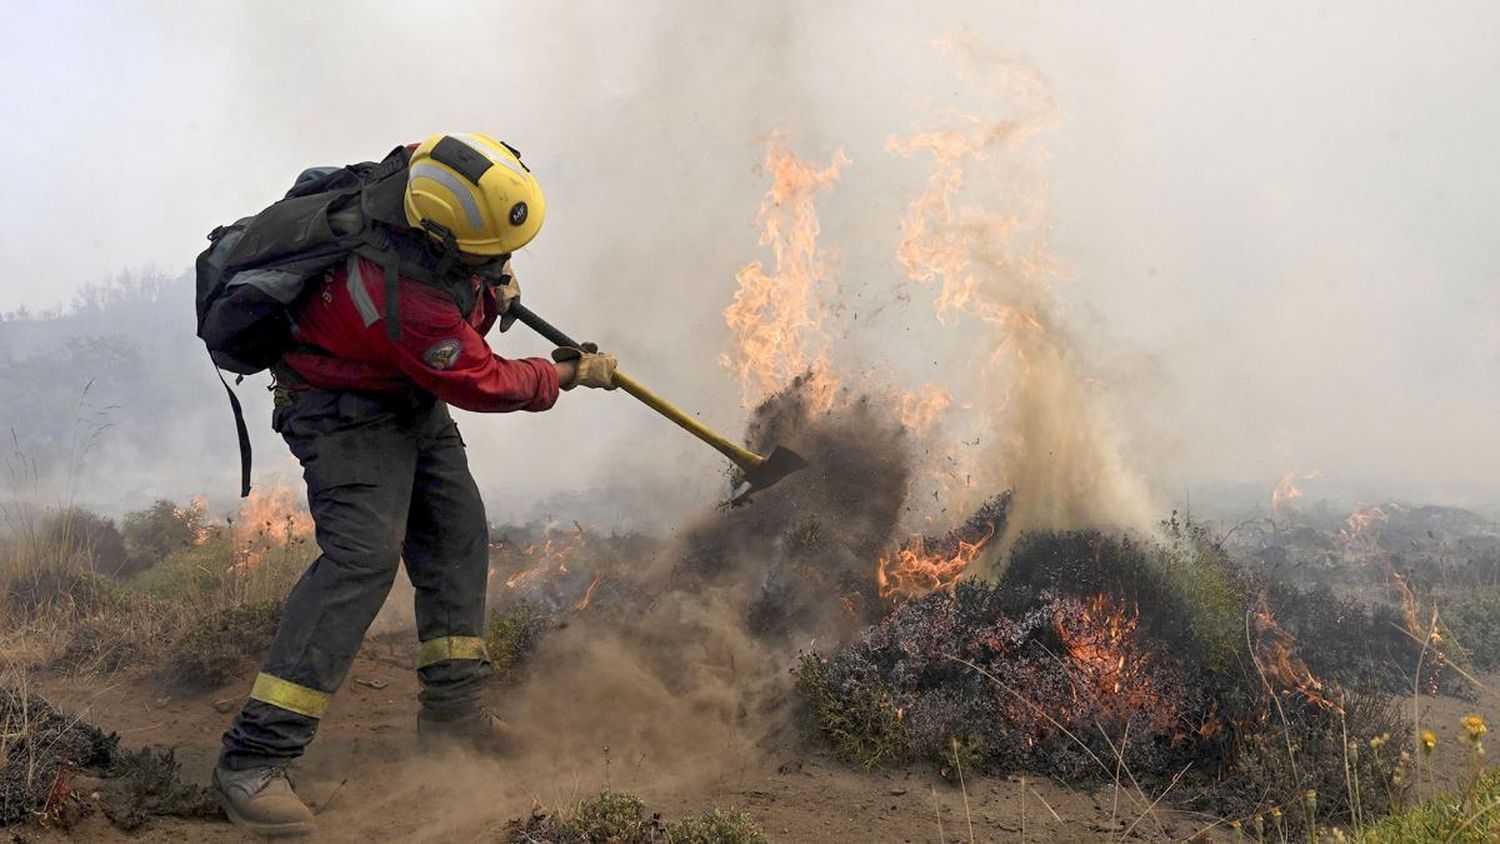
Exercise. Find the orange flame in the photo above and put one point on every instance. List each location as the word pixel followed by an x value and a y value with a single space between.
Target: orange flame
pixel 1099 633
pixel 552 555
pixel 912 572
pixel 588 596
pixel 1276 656
pixel 267 519
pixel 921 407
pixel 1286 489
pixel 979 233
pixel 775 314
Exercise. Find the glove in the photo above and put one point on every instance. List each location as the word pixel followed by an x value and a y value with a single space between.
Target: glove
pixel 508 291
pixel 591 369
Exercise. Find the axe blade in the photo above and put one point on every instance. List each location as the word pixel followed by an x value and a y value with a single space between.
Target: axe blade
pixel 777 465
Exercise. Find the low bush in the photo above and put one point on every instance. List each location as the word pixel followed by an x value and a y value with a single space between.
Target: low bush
pixel 45 754
pixel 222 645
pixel 89 537
pixel 716 826
pixel 619 818
pixel 1473 620
pixel 67 590
pixel 513 634
pixel 1087 639
pixel 156 532
pixel 193 572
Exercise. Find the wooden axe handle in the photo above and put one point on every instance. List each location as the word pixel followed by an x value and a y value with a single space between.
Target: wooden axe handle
pixel 741 457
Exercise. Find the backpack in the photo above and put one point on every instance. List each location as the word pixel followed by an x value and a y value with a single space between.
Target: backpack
pixel 255 270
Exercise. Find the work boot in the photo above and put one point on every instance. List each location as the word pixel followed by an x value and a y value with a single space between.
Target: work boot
pixel 262 801
pixel 478 730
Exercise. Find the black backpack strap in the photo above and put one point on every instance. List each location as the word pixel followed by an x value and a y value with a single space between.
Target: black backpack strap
pixel 240 430
pixel 392 263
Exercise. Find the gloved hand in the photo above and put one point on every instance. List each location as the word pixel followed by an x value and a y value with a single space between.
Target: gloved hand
pixel 507 291
pixel 590 369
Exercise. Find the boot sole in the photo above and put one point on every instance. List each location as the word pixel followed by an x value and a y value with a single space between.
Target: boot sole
pixel 268 830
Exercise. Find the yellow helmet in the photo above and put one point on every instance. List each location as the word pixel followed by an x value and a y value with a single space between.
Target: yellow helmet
pixel 476 189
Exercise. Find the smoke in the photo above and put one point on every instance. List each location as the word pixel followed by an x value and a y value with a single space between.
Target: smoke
pixel 1269 228
pixel 980 232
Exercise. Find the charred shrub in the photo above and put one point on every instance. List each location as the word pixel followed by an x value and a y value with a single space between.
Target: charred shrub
pixel 147 783
pixel 222 646
pixel 46 752
pixel 43 751
pixel 1006 689
pixel 1310 747
pixel 1088 638
pixel 1359 649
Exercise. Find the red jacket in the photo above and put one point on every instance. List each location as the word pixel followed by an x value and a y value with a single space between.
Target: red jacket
pixel 441 350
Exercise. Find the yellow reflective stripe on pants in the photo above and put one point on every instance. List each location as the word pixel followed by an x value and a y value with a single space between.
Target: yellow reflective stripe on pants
pixel 290 696
pixel 451 647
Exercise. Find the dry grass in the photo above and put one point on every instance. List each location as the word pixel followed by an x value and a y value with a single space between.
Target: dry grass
pixel 59 610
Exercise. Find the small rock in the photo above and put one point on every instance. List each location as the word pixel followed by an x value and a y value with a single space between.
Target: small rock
pixel 224 704
pixel 897 792
pixel 374 684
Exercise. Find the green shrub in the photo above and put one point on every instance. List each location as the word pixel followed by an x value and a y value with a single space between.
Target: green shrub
pixel 190 572
pixel 615 817
pixel 1473 620
pixel 1469 817
pixel 514 633
pixel 611 816
pixel 858 717
pixel 159 530
pixel 716 826
pixel 222 645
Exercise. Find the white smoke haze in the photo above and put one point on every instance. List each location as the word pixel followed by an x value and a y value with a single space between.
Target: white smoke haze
pixel 1269 229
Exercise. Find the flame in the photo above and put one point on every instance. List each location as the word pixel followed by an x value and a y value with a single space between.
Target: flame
pixel 776 314
pixel 1099 634
pixel 269 518
pixel 1360 534
pixel 192 514
pixel 912 572
pixel 551 556
pixel 1286 489
pixel 588 596
pixel 978 232
pixel 921 407
pixel 1276 656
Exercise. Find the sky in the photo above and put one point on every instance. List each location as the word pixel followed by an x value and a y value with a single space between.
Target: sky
pixel 1276 221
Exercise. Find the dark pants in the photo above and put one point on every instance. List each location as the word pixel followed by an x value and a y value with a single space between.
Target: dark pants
pixel 387 479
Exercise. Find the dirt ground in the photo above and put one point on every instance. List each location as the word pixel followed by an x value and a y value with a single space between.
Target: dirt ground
pixel 367 781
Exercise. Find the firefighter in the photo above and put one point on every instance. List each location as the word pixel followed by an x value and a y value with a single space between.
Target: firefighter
pixel 365 411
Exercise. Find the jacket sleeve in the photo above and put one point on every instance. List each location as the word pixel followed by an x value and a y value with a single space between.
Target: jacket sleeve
pixel 446 356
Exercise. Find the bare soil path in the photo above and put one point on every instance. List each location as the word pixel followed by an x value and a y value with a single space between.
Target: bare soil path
pixel 368 782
